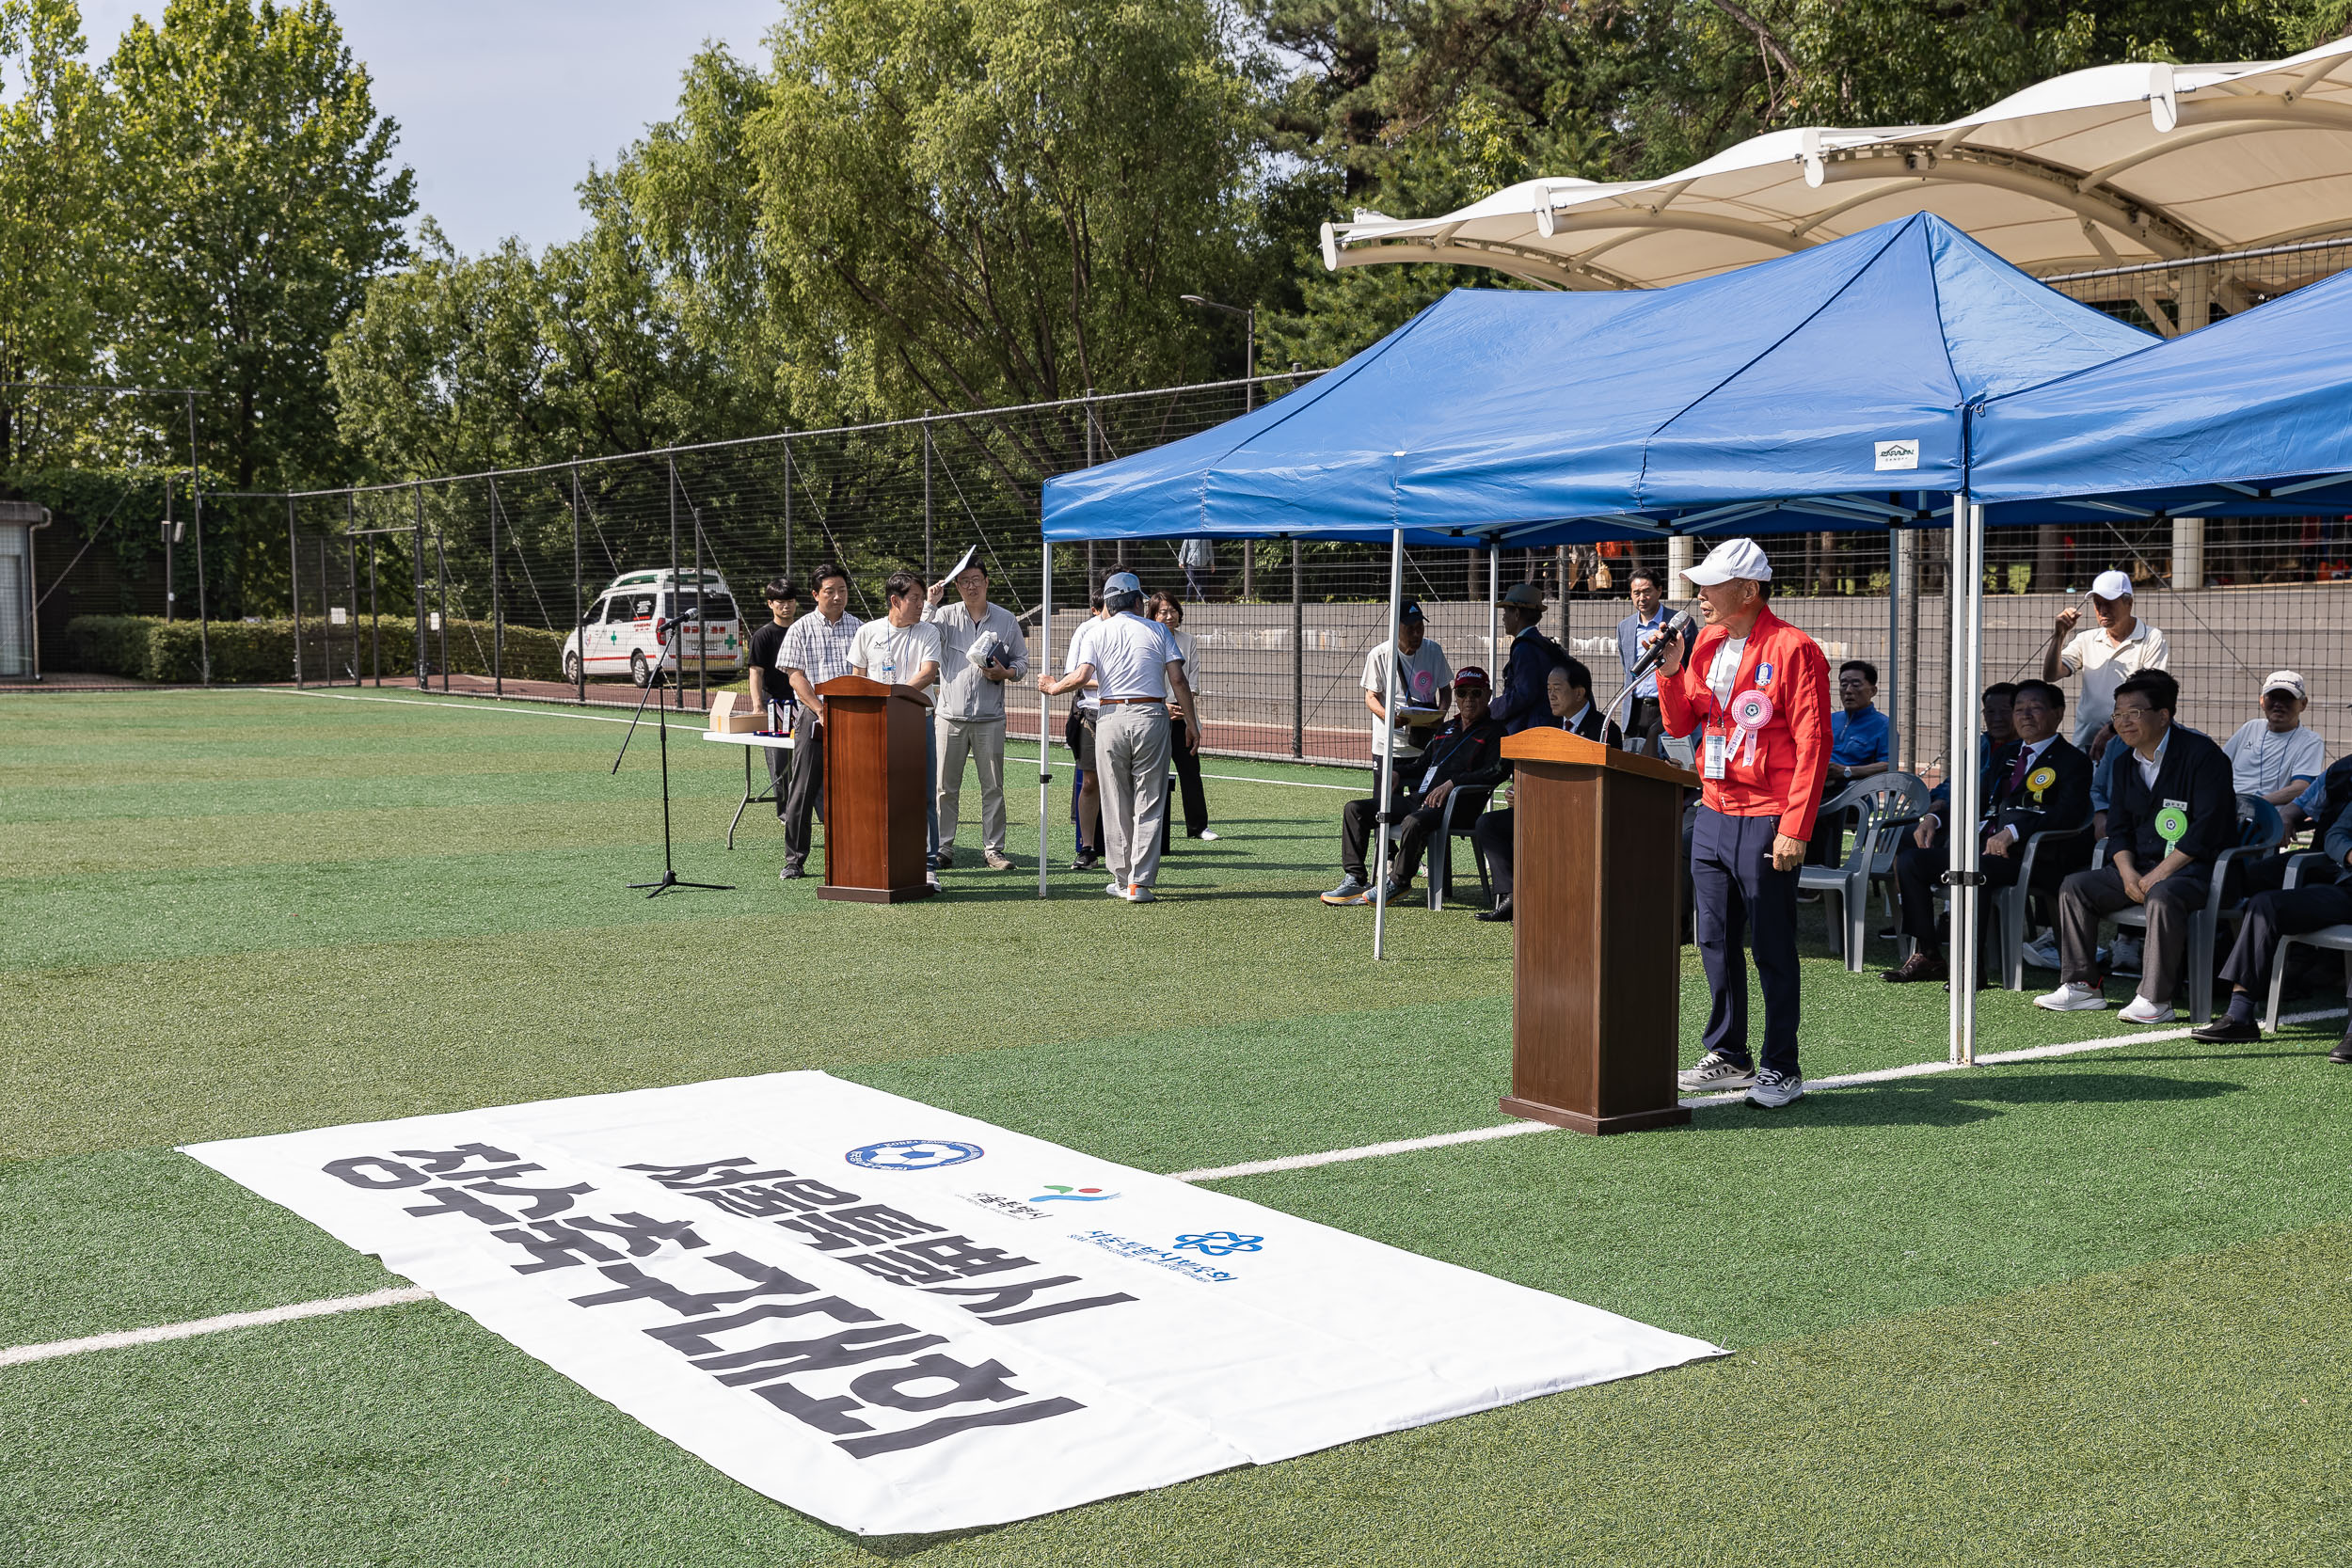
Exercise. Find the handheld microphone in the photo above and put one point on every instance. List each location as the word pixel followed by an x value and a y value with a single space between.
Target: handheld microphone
pixel 1674 629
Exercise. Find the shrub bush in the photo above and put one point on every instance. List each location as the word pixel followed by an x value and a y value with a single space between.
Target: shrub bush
pixel 144 647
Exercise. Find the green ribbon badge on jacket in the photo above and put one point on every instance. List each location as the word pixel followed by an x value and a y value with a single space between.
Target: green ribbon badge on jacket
pixel 2171 827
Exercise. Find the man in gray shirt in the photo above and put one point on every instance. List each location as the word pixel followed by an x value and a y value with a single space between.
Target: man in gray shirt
pixel 981 648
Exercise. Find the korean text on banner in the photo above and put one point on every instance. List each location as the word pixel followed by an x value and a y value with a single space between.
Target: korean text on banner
pixel 900 1320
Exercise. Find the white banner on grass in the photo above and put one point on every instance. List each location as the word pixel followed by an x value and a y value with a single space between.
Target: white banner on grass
pixel 900 1320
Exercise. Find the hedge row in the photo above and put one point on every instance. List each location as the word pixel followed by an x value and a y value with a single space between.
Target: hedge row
pixel 144 647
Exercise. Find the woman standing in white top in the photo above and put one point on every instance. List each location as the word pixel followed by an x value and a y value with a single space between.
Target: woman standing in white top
pixel 1167 612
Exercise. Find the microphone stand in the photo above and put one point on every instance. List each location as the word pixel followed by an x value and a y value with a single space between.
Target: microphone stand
pixel 674 642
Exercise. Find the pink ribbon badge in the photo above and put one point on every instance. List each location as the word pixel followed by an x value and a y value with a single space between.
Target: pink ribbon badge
pixel 1751 711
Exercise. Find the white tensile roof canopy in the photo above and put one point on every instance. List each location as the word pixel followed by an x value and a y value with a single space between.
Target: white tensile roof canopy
pixel 2110 166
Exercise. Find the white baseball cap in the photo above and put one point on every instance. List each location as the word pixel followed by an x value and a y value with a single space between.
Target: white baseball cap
pixel 2283 680
pixel 2111 585
pixel 1733 558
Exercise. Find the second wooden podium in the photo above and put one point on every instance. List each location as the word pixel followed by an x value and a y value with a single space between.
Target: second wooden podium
pixel 877 789
pixel 1596 973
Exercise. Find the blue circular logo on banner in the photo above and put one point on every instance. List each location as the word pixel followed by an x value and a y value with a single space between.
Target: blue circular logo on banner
pixel 914 1154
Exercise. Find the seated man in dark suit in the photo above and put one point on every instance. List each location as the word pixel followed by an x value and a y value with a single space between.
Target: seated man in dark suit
pixel 2174 810
pixel 1570 691
pixel 1465 753
pixel 2321 898
pixel 2038 780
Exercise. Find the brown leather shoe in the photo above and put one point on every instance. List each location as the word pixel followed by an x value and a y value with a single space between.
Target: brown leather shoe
pixel 1923 964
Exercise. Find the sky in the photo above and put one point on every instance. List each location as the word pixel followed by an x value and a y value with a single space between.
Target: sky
pixel 503 105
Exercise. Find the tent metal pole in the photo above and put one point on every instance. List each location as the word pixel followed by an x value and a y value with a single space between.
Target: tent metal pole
pixel 1494 613
pixel 1044 718
pixel 1895 711
pixel 1966 598
pixel 1971 860
pixel 1388 750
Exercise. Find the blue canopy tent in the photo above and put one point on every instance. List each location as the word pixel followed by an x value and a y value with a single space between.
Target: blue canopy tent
pixel 2250 416
pixel 1827 389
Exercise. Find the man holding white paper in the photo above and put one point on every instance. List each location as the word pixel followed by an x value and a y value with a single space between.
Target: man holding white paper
pixel 981 648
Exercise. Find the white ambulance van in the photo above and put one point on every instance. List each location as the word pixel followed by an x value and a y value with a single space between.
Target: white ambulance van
pixel 651 620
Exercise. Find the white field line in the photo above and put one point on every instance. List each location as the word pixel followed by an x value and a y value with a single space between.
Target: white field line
pixel 1842 1081
pixel 19 1355
pixel 478 705
pixel 491 704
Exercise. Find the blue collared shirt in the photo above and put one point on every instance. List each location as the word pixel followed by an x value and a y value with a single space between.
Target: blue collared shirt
pixel 1855 738
pixel 2314 799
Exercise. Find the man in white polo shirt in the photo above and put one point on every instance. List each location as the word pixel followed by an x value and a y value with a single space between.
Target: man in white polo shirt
pixel 2106 656
pixel 1135 665
pixel 2274 756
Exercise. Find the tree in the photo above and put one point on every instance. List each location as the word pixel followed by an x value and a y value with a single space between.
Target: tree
pixel 1419 109
pixel 52 217
pixel 659 326
pixel 257 197
pixel 992 201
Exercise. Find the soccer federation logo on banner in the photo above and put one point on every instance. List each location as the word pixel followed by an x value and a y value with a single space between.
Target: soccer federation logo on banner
pixel 914 1154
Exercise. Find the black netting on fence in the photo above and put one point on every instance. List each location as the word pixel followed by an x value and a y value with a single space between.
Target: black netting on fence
pixel 481 583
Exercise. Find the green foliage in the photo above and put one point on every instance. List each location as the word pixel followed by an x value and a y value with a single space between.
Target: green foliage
pixel 54 225
pixel 992 201
pixel 258 197
pixel 1419 109
pixel 244 653
pixel 107 644
pixel 662 324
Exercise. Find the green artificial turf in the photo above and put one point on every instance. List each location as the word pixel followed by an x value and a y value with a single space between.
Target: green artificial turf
pixel 230 914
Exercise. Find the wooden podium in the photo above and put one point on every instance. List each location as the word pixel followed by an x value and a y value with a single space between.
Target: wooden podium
pixel 878 787
pixel 1596 973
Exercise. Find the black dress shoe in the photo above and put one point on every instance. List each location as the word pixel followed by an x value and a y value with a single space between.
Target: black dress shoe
pixel 1921 965
pixel 2341 1054
pixel 1501 912
pixel 2226 1030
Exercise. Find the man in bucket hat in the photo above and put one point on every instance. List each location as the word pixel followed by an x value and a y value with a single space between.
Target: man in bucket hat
pixel 1757 691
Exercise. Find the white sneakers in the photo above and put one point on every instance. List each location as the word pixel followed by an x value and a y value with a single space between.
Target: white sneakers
pixel 2077 997
pixel 2073 997
pixel 1714 1073
pixel 1775 1091
pixel 1135 892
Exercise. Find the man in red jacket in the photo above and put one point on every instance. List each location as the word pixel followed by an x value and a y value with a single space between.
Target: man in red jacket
pixel 1757 690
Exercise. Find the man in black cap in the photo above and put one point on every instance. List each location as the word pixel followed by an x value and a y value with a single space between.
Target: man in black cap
pixel 1533 657
pixel 1465 753
pixel 1424 684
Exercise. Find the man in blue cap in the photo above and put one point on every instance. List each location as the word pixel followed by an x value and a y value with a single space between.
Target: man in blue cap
pixel 1136 666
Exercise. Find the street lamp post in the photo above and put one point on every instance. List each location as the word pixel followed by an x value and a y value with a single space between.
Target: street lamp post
pixel 1249 314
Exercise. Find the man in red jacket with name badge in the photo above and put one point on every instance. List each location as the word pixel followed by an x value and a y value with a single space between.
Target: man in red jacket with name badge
pixel 1757 691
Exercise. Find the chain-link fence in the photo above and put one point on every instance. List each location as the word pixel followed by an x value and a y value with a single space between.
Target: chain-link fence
pixel 512 583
